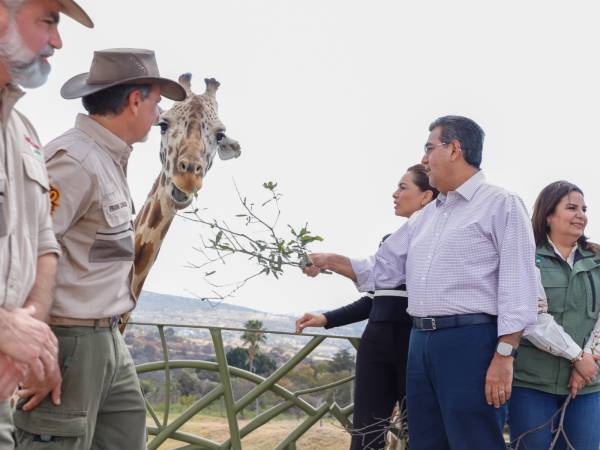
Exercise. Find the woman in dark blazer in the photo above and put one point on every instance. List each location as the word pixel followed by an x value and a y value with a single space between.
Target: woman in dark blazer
pixel 381 356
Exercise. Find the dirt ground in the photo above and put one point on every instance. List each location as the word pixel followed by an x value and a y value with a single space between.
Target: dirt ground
pixel 328 436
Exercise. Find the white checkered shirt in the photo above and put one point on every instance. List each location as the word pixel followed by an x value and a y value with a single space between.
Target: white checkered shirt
pixel 470 251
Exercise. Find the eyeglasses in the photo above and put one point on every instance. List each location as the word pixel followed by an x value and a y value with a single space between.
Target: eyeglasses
pixel 431 147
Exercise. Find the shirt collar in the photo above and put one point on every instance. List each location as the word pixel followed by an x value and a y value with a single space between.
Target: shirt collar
pixel 570 260
pixel 9 96
pixel 116 147
pixel 466 190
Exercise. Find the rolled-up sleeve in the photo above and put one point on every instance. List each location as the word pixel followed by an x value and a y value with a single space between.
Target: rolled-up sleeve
pixel 387 268
pixel 517 282
pixel 46 240
pixel 363 268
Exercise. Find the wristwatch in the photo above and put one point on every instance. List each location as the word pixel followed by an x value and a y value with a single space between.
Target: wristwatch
pixel 505 349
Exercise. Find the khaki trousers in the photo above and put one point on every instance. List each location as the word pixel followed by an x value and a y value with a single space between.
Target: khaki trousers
pixel 102 404
pixel 6 427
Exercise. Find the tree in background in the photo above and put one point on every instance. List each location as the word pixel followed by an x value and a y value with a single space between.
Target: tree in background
pixel 264 365
pixel 252 339
pixel 237 357
pixel 188 383
pixel 341 361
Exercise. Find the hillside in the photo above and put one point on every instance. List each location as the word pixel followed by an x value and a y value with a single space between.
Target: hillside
pixel 162 308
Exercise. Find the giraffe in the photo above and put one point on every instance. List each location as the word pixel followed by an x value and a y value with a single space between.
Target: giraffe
pixel 191 136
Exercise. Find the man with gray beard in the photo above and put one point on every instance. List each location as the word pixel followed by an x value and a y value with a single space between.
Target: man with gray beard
pixel 28 248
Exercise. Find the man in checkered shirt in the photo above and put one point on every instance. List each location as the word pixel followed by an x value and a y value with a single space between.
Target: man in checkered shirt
pixel 468 262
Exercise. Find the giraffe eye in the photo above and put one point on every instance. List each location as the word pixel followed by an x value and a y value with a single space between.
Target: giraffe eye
pixel 163 127
pixel 220 136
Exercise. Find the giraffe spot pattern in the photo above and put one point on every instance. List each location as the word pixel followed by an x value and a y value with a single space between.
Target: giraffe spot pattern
pixel 144 254
pixel 155 216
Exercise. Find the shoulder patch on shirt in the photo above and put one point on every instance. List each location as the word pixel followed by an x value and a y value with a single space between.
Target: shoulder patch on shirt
pixel 54 198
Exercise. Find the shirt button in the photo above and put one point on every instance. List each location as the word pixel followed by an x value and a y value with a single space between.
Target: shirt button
pixel 445 214
pixel 422 278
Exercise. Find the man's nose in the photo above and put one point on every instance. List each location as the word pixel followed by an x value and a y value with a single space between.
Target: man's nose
pixel 55 39
pixel 425 159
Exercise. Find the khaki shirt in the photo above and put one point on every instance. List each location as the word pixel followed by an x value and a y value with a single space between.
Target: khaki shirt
pixel 25 223
pixel 92 214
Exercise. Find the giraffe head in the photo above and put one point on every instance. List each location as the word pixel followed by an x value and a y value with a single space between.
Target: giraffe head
pixel 192 134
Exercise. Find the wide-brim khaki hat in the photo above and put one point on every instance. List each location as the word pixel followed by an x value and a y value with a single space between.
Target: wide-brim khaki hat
pixel 117 66
pixel 75 12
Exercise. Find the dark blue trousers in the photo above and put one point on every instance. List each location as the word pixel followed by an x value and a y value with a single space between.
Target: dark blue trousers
pixel 529 409
pixel 445 388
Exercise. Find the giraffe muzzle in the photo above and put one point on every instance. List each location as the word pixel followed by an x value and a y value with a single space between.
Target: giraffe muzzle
pixel 180 198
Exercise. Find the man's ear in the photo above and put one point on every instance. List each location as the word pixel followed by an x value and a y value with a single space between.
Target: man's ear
pixel 134 101
pixel 456 151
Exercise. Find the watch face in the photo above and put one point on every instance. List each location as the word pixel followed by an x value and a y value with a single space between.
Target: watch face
pixel 504 349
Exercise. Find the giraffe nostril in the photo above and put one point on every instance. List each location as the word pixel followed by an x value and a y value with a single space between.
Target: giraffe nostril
pixel 182 166
pixel 198 170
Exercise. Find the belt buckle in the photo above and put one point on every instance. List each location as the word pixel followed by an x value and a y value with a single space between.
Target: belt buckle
pixel 431 320
pixel 114 321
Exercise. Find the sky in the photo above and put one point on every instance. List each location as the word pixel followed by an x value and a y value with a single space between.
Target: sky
pixel 333 99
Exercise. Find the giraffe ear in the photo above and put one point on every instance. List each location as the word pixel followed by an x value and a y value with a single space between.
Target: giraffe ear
pixel 185 79
pixel 211 87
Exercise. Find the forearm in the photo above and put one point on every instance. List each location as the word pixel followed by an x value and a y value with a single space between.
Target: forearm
pixel 340 265
pixel 42 293
pixel 351 313
pixel 512 338
pixel 593 343
pixel 549 336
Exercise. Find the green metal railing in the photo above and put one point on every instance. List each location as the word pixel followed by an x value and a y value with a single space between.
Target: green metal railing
pixel 164 429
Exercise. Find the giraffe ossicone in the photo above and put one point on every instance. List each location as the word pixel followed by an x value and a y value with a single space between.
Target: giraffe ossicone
pixel 191 135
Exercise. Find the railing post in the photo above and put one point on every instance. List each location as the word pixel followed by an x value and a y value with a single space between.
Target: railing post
pixel 165 349
pixel 234 432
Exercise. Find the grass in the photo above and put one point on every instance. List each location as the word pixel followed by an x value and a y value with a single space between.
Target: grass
pixel 325 435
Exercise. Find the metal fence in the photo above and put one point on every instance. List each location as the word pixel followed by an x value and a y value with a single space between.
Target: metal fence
pixel 164 429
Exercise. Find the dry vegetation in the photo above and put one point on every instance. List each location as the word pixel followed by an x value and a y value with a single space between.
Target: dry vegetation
pixel 328 436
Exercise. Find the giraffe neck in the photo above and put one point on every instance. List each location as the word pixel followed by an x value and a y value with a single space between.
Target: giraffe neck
pixel 151 226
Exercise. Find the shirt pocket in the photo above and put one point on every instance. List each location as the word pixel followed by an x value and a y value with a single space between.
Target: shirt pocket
pixel 114 243
pixel 3 222
pixel 35 171
pixel 556 284
pixel 592 288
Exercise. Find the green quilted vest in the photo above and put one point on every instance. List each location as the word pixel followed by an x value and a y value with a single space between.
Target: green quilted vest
pixel 573 300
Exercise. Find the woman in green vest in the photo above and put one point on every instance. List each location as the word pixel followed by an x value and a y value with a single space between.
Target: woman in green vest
pixel 558 356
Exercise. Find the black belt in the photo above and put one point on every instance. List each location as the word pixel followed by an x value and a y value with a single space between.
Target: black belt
pixel 459 320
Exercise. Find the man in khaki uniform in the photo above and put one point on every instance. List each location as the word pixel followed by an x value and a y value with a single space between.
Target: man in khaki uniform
pixel 102 405
pixel 28 248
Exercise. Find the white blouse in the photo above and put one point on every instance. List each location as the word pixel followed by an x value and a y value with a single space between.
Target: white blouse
pixel 548 335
